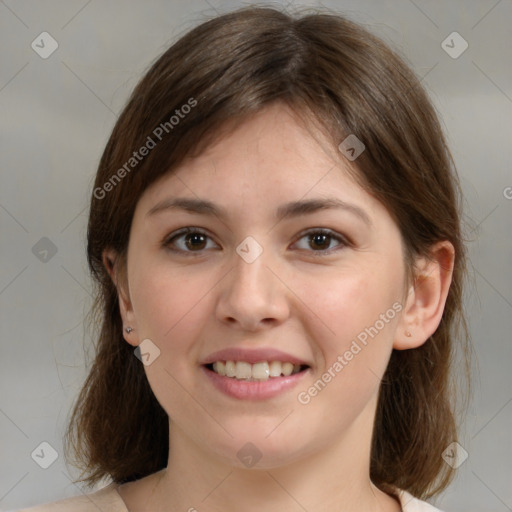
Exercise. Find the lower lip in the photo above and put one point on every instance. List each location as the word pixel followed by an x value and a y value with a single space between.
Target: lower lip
pixel 253 390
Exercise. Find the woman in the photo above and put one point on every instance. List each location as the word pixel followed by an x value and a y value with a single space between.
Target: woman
pixel 275 232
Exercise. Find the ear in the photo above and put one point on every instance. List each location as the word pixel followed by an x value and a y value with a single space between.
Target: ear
pixel 426 298
pixel 110 260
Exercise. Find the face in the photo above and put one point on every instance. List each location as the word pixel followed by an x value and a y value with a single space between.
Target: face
pixel 262 285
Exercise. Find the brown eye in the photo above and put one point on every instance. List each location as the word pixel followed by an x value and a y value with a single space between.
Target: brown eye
pixel 195 240
pixel 319 242
pixel 187 240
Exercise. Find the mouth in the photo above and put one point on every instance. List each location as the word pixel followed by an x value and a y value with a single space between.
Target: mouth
pixel 255 372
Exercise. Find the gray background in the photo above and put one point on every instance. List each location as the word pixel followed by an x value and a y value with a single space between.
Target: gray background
pixel 55 117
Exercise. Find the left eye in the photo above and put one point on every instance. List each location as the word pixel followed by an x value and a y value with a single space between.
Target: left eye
pixel 322 238
pixel 195 240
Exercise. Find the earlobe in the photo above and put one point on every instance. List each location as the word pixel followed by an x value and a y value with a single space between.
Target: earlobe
pixel 125 307
pixel 427 297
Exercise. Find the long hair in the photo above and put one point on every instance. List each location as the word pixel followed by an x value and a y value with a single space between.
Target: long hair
pixel 336 74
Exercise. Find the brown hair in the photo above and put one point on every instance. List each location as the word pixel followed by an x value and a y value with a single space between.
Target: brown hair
pixel 347 81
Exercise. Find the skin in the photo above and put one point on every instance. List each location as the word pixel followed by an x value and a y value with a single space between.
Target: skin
pixel 314 456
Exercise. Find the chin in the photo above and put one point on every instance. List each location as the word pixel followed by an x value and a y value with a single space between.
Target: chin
pixel 254 448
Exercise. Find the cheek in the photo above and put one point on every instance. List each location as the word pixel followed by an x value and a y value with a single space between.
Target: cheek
pixel 169 308
pixel 362 310
pixel 352 303
pixel 165 300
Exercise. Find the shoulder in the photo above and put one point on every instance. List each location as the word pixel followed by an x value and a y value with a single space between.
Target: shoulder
pixel 411 504
pixel 106 498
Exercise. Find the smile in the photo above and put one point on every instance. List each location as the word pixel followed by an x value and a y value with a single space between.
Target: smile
pixel 257 381
pixel 261 371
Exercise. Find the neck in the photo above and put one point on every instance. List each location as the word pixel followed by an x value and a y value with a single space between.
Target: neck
pixel 335 478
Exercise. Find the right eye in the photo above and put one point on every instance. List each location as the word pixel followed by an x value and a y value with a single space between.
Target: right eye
pixel 185 240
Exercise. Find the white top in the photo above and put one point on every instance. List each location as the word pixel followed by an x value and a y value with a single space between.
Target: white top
pixel 109 499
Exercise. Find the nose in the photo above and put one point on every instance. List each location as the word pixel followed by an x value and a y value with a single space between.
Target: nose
pixel 252 296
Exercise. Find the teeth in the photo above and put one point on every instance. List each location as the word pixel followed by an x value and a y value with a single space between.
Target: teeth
pixel 242 370
pixel 287 369
pixel 230 369
pixel 219 367
pixel 260 371
pixel 275 368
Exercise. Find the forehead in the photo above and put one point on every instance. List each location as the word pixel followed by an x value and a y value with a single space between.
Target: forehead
pixel 270 155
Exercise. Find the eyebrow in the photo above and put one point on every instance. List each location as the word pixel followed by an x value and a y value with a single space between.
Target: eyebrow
pixel 287 210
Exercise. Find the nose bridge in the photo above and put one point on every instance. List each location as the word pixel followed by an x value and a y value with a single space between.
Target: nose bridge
pixel 252 292
pixel 251 277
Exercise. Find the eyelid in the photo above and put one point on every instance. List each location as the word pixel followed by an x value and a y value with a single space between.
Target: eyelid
pixel 343 240
pixel 166 242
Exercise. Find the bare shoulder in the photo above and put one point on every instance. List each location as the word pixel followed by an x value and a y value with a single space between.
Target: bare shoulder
pixel 106 498
pixel 411 504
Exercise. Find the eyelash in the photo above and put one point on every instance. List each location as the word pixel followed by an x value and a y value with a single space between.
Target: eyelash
pixel 343 241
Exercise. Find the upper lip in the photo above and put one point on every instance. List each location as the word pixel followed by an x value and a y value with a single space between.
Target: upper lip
pixel 252 356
